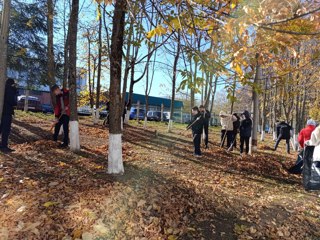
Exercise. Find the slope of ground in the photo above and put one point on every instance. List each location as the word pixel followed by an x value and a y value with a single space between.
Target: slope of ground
pixel 165 193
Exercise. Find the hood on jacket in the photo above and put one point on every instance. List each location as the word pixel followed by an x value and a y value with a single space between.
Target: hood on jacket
pixel 246 114
pixel 311 122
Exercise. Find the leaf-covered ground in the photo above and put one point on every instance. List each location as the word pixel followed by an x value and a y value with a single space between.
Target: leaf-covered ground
pixel 165 193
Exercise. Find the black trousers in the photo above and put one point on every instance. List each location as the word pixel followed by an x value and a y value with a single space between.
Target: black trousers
pixel 5 129
pixel 206 132
pixel 235 133
pixel 63 121
pixel 228 136
pixel 244 140
pixel 197 143
pixel 279 140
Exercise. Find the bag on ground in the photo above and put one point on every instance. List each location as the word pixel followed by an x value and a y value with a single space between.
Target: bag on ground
pixel 311 169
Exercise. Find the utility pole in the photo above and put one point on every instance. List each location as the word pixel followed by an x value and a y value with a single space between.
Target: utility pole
pixel 4 35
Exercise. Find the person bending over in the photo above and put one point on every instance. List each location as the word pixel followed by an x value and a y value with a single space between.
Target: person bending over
pixel 283 132
pixel 62 114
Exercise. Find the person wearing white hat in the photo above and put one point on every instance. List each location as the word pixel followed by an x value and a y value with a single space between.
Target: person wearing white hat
pixel 305 134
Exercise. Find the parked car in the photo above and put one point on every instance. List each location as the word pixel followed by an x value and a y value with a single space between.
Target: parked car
pixel 133 114
pixel 34 104
pixel 103 113
pixel 84 111
pixel 155 116
pixel 47 108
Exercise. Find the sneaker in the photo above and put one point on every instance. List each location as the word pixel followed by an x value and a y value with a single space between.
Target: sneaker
pixel 197 155
pixel 6 149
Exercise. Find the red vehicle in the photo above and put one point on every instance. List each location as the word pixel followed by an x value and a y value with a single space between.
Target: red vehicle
pixel 34 104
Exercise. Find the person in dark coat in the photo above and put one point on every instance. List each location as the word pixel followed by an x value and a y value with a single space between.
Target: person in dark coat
pixel 283 132
pixel 206 121
pixel 62 114
pixel 236 126
pixel 197 128
pixel 245 131
pixel 10 101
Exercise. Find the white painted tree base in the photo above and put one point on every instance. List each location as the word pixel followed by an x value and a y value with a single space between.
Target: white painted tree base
pixel 61 131
pixel 126 119
pixel 115 163
pixel 93 116
pixel 263 136
pixel 170 125
pixel 145 123
pixel 74 136
pixel 121 123
pixel 274 135
pixel 96 116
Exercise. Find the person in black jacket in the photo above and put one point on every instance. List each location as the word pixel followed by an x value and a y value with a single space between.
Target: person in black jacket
pixel 245 131
pixel 236 126
pixel 206 120
pixel 283 132
pixel 10 101
pixel 197 128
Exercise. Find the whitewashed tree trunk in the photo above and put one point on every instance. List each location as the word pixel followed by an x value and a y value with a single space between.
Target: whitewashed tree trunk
pixel 115 162
pixel 170 125
pixel 115 165
pixel 126 119
pixel 262 136
pixel 74 136
pixel 145 122
pixel 96 116
pixel 93 115
pixel 26 101
pixel 73 30
pixel 4 33
pixel 162 109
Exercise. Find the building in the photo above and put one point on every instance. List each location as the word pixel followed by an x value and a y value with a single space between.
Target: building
pixel 155 103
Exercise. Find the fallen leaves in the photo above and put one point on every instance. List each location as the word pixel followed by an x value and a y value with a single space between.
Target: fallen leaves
pixel 51 193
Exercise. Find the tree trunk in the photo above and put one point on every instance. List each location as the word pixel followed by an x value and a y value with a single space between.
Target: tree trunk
pixel 4 34
pixel 255 106
pixel 73 30
pixel 127 67
pixel 263 113
pixel 50 53
pixel 174 80
pixel 89 71
pixel 99 66
pixel 115 163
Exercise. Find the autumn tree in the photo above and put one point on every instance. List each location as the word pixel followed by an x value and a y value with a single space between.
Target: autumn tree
pixel 115 163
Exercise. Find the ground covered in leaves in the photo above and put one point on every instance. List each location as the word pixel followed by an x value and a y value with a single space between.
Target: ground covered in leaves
pixel 165 193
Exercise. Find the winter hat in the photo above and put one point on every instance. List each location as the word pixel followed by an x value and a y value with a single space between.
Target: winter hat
pixel 311 122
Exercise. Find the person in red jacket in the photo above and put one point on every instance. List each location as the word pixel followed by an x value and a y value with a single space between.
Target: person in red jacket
pixel 305 134
pixel 62 113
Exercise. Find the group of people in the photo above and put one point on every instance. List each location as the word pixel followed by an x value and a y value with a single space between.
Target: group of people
pixel 231 126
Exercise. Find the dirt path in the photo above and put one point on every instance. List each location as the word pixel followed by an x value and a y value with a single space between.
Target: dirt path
pixel 166 193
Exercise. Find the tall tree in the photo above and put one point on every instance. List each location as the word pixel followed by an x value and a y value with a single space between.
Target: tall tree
pixel 99 64
pixel 115 163
pixel 50 53
pixel 4 34
pixel 73 30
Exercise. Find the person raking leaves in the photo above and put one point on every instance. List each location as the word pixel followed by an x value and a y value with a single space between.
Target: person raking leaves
pixel 62 114
pixel 197 128
pixel 206 121
pixel 10 101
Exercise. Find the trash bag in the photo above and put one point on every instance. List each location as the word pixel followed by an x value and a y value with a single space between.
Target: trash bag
pixel 311 170
pixel 297 168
